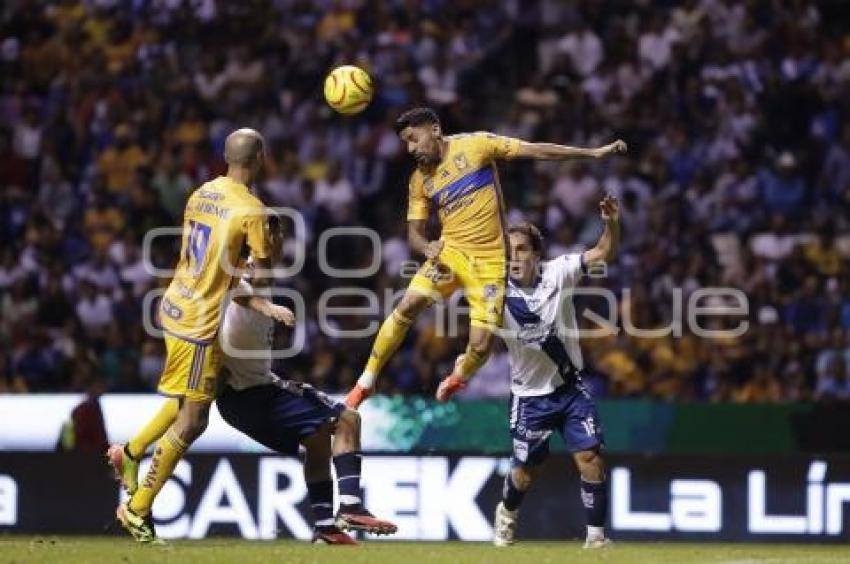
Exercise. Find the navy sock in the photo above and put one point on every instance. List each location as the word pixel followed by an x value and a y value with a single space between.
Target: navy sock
pixel 321 496
pixel 594 496
pixel 511 495
pixel 348 478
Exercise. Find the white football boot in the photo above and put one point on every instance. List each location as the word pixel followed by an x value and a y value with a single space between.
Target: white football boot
pixel 594 543
pixel 504 526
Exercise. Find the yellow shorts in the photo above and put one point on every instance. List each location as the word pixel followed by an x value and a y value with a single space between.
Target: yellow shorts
pixel 482 279
pixel 191 369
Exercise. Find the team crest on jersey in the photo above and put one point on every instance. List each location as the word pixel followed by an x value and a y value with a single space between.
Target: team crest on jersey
pixel 490 291
pixel 428 183
pixel 445 173
pixel 460 162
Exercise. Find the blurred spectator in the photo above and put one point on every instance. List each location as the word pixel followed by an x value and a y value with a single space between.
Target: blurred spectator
pixel 120 160
pixel 102 222
pixel 56 193
pixel 584 49
pixel 832 382
pixel 655 44
pixel 335 194
pixel 738 171
pixel 783 189
pixel 94 309
pixel 18 306
pixel 173 186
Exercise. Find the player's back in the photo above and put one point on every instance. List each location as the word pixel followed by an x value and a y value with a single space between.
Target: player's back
pixel 220 218
pixel 464 190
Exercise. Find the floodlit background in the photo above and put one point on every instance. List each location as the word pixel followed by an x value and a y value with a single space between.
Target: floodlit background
pixel 737 176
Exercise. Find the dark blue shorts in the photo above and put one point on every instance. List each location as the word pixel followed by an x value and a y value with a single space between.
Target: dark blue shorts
pixel 569 410
pixel 278 416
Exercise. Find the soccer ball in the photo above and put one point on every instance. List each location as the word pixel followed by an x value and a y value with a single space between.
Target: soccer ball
pixel 348 89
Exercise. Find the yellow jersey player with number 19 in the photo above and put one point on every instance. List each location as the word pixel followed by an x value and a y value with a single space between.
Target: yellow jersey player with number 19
pixel 456 177
pixel 221 217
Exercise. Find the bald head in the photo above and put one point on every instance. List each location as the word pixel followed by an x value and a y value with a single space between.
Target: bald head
pixel 244 148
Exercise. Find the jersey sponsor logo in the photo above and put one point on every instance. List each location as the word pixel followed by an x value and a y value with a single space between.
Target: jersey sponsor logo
pixel 208 195
pixel 456 206
pixel 171 310
pixel 520 450
pixel 185 291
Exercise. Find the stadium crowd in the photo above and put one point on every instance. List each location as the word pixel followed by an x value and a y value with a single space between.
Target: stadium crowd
pixel 738 173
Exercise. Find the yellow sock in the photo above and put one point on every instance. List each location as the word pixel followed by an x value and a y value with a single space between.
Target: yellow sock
pixel 154 429
pixel 168 452
pixel 392 333
pixel 472 361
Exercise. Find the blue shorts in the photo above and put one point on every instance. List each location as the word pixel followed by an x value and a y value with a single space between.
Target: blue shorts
pixel 569 410
pixel 278 416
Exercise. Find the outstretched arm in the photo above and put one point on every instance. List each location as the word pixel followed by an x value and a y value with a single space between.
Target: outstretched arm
pixel 606 248
pixel 551 151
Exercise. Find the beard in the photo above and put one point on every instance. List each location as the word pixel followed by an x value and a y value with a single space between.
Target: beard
pixel 427 160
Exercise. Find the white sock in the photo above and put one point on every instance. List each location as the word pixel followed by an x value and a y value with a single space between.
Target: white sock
pixel 367 380
pixel 595 533
pixel 349 500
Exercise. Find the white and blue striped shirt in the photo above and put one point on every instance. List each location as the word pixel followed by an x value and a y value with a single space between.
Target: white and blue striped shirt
pixel 540 329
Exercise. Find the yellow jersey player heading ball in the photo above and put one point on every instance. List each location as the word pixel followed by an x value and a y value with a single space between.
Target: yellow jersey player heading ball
pixel 456 178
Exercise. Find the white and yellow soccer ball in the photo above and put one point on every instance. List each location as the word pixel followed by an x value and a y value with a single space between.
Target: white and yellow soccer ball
pixel 348 89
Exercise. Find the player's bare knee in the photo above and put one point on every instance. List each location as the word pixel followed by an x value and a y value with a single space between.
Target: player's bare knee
pixel 349 420
pixel 591 465
pixel 412 304
pixel 347 426
pixel 481 342
pixel 522 477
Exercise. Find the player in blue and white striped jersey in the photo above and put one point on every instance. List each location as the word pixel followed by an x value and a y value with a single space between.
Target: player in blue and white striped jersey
pixel 547 392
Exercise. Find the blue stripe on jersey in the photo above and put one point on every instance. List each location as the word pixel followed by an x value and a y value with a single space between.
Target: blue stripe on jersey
pixel 465 185
pixel 554 349
pixel 520 311
pixel 552 346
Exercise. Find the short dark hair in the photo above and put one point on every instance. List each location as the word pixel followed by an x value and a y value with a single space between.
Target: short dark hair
pixel 415 118
pixel 535 237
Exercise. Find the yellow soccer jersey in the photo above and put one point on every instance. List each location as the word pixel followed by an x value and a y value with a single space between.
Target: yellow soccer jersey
pixel 464 190
pixel 221 216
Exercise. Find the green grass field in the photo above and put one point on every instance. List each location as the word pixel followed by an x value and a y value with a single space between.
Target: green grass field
pixel 73 550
